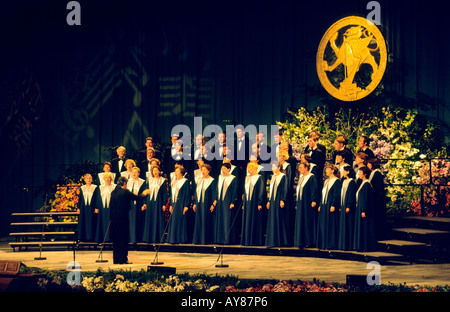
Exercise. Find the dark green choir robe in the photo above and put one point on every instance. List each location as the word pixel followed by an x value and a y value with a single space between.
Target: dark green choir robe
pixel 379 202
pixel 224 216
pixel 305 229
pixel 327 223
pixel 180 197
pixel 277 218
pixel 252 232
pixel 204 196
pixel 347 220
pixel 103 217
pixel 364 239
pixel 87 202
pixel 154 215
pixel 135 213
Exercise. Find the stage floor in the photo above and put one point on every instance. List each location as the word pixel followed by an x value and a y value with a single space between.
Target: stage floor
pixel 242 266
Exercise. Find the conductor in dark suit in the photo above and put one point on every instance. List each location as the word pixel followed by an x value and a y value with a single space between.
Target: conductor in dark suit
pixel 119 206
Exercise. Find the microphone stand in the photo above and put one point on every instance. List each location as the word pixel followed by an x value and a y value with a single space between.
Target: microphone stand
pixel 103 244
pixel 156 260
pixel 221 265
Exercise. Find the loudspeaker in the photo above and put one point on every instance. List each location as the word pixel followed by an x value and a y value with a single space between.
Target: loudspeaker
pixel 356 280
pixel 161 269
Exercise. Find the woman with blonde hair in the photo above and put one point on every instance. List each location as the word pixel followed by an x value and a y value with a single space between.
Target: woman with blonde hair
pixel 180 200
pixel 102 208
pixel 86 209
pixel 252 223
pixel 278 216
pixel 135 185
pixel 129 165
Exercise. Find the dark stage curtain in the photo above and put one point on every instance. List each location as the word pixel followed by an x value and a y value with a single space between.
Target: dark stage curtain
pixel 133 69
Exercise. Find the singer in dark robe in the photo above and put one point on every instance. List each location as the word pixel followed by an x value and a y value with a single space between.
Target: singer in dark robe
pixel 136 185
pixel 307 202
pixel 328 221
pixel 226 207
pixel 365 239
pixel 120 206
pixel 103 201
pixel 376 179
pixel 154 207
pixel 204 208
pixel 278 216
pixel 86 210
pixel 289 169
pixel 180 200
pixel 347 209
pixel 252 233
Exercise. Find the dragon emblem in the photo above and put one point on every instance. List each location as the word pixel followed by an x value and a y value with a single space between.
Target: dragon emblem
pixel 354 41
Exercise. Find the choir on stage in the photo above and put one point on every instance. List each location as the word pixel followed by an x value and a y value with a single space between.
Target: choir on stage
pixel 195 199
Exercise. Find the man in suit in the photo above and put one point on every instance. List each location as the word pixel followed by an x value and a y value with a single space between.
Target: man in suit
pixel 144 166
pixel 217 152
pixel 264 151
pixel 316 134
pixel 143 153
pixel 118 164
pixel 168 161
pixel 242 148
pixel 363 144
pixel 278 138
pixel 318 156
pixel 339 145
pixel 119 206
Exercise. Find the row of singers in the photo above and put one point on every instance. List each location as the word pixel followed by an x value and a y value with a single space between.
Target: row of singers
pixel 207 210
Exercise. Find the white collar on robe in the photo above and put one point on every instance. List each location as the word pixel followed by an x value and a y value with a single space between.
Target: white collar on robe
pixel 345 184
pixel 225 181
pixel 250 180
pixel 154 184
pixel 88 192
pixel 301 185
pixel 373 173
pixel 139 184
pixel 105 193
pixel 203 185
pixel 176 186
pixel 328 184
pixel 275 181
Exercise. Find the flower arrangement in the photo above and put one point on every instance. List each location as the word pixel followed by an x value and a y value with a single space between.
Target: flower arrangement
pixel 65 200
pixel 142 281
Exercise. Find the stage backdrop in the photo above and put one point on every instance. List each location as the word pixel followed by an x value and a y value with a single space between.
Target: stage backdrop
pixel 133 69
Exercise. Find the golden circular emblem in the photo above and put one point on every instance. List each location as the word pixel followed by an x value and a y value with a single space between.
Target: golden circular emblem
pixel 351 58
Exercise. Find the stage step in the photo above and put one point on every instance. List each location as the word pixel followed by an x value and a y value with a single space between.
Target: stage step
pixel 42 223
pixel 422 235
pixel 43 214
pixel 40 233
pixel 37 244
pixel 434 223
